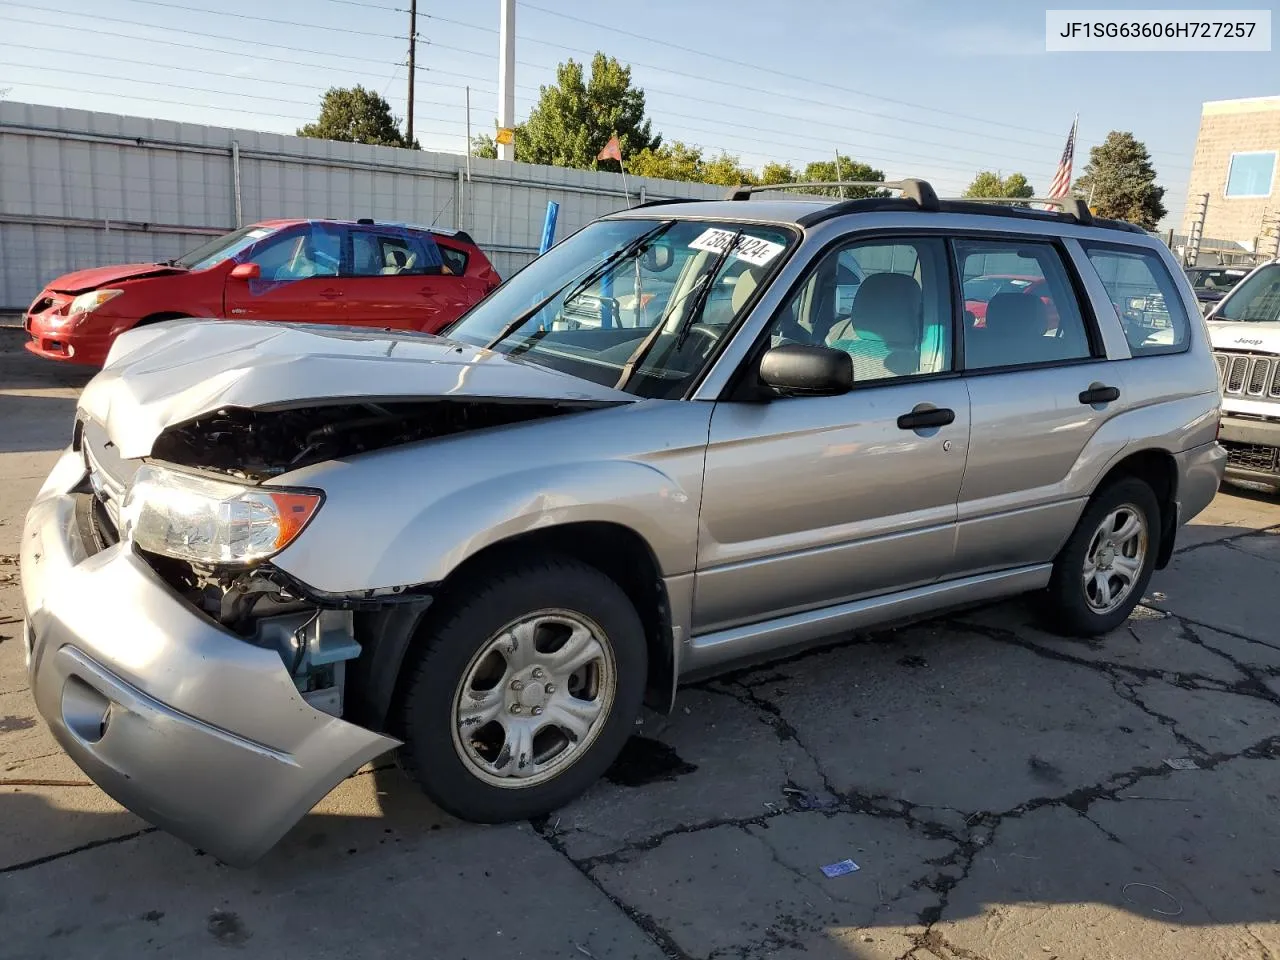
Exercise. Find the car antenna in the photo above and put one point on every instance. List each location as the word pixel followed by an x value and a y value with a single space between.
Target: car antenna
pixel 441 213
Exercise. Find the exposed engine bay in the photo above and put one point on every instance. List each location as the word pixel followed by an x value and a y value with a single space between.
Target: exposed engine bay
pixel 262 443
pixel 315 635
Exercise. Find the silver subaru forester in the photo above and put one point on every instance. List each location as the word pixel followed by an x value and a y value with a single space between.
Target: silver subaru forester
pixel 690 435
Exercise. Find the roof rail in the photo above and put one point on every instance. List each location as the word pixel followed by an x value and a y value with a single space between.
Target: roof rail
pixel 1073 207
pixel 917 190
pixel 658 201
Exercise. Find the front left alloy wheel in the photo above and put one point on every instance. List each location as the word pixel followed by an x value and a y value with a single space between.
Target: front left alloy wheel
pixel 525 686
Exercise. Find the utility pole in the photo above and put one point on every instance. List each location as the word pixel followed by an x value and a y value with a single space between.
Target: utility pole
pixel 413 42
pixel 507 78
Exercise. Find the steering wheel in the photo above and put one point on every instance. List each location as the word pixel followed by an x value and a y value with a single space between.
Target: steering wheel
pixel 709 336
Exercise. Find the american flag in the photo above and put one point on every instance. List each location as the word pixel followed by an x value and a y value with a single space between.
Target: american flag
pixel 1061 184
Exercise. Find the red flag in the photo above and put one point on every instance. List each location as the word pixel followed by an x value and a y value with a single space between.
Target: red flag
pixel 612 150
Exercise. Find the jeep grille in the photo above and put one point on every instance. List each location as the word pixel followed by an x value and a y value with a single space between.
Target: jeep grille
pixel 1248 375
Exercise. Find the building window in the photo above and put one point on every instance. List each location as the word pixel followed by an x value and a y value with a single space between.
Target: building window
pixel 1250 174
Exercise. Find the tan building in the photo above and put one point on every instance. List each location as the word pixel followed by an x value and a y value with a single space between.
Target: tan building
pixel 1236 165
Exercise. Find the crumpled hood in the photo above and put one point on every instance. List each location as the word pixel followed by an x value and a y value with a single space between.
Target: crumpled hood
pixel 1258 336
pixel 161 375
pixel 94 278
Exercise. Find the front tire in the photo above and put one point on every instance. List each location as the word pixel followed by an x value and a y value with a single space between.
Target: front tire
pixel 1104 568
pixel 526 685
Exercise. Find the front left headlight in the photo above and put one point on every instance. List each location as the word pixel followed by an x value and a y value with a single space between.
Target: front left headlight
pixel 88 302
pixel 212 522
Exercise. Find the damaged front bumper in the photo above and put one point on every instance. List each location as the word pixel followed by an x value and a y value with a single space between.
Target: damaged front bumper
pixel 178 719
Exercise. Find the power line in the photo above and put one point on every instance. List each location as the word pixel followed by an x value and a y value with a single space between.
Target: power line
pixel 196 33
pixel 762 68
pixel 538 66
pixel 179 86
pixel 1045 162
pixel 179 103
pixel 166 66
pixel 283 23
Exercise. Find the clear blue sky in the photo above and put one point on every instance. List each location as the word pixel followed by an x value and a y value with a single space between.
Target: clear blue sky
pixel 931 88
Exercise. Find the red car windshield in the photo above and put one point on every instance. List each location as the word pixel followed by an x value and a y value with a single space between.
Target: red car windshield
pixel 222 248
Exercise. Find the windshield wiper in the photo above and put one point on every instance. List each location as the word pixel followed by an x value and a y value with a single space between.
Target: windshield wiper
pixel 702 290
pixel 600 270
pixel 698 305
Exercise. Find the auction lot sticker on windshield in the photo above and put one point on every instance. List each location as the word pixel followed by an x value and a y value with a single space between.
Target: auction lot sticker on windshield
pixel 753 250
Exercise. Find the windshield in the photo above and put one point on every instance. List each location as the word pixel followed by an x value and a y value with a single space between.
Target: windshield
pixel 222 248
pixel 635 304
pixel 1256 299
pixel 1217 279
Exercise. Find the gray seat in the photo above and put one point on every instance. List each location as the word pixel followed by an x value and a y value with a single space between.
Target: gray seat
pixel 882 333
pixel 1014 333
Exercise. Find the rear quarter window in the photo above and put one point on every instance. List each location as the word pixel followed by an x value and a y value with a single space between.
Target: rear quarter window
pixel 1145 298
pixel 454 259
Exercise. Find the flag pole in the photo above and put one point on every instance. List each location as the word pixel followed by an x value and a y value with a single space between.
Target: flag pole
pixel 623 167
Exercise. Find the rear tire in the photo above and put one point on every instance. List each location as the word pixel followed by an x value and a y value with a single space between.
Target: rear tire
pixel 1104 568
pixel 525 687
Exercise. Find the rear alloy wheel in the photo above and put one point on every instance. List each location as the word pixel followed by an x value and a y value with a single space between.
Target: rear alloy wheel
pixel 1104 568
pixel 525 685
pixel 1115 558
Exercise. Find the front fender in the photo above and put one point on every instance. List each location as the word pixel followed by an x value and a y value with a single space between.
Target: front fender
pixel 410 515
pixel 634 495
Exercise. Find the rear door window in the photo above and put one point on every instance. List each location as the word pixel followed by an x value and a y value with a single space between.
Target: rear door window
pixel 1144 297
pixel 376 254
pixel 1019 305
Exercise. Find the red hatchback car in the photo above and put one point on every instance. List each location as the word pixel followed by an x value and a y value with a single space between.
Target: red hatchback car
pixel 357 273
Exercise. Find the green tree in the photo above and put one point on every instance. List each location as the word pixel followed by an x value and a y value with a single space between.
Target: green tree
pixel 772 173
pixel 727 171
pixel 988 184
pixel 680 161
pixel 575 117
pixel 484 146
pixel 1120 182
pixel 356 115
pixel 671 161
pixel 820 171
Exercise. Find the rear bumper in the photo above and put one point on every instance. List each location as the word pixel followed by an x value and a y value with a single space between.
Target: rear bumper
pixel 1200 469
pixel 187 725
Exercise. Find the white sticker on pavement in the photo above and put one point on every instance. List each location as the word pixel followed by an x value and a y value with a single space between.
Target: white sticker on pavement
pixel 753 250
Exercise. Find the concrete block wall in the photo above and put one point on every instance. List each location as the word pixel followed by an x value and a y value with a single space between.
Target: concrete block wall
pixel 81 189
pixel 1227 127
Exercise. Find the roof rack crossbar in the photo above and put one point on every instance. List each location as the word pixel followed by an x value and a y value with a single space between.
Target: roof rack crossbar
pixel 917 190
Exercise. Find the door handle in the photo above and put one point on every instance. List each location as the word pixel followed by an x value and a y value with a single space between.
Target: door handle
pixel 923 417
pixel 331 294
pixel 1099 393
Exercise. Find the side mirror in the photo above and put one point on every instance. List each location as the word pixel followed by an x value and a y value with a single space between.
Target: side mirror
pixel 246 271
pixel 657 258
pixel 806 369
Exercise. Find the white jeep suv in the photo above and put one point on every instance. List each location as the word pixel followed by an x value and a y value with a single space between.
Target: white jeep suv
pixel 1245 331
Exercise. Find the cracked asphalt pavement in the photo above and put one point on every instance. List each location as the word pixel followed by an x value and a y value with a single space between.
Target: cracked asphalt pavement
pixel 1003 791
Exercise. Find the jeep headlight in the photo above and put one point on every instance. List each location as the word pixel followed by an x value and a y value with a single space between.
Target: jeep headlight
pixel 206 521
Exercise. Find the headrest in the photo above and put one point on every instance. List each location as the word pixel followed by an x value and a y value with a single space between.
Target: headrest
pixel 1017 316
pixel 743 287
pixel 888 306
